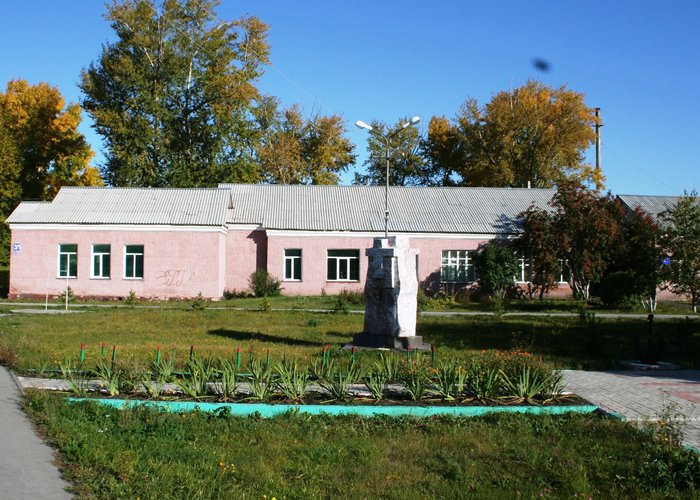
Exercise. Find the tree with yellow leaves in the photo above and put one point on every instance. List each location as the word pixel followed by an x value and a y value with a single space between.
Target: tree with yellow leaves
pixel 41 148
pixel 533 134
pixel 295 150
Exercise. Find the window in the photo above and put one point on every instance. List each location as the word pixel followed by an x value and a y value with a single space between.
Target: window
pixel 100 261
pixel 524 274
pixel 457 267
pixel 565 273
pixel 133 262
pixel 343 265
pixel 68 261
pixel 292 264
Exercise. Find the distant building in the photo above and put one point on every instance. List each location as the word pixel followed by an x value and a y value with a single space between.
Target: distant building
pixel 176 243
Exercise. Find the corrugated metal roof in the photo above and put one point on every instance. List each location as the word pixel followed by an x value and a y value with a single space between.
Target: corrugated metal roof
pixel 90 205
pixel 653 205
pixel 361 208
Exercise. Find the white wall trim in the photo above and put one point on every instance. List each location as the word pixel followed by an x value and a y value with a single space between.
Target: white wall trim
pixel 348 234
pixel 245 227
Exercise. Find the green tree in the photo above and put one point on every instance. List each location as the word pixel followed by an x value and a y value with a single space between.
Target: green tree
pixel 293 150
pixel 642 255
pixel 496 267
pixel 533 133
pixel 407 166
pixel 680 242
pixel 537 243
pixel 174 95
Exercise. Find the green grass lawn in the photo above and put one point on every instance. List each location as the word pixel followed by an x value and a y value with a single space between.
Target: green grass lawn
pixel 149 454
pixel 35 341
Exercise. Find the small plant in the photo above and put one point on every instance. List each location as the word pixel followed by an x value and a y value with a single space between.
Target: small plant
pixel 199 303
pixel 484 382
pixel 341 305
pixel 260 379
pixel 228 385
pixel 376 383
pixel 72 372
pixel 110 378
pixel 265 305
pixel 449 381
pixel 337 380
pixel 263 284
pixel 388 366
pixel 354 297
pixel 416 382
pixel 61 299
pixel 131 299
pixel 527 386
pixel 292 379
pixel 200 372
pixel 161 372
pixel 669 425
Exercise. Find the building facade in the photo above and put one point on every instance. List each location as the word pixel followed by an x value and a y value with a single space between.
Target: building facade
pixel 177 243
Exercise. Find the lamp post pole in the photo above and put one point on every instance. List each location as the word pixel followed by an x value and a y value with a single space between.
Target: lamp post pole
pixel 385 139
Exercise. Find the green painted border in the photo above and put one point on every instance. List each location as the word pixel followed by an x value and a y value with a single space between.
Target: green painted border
pixel 267 410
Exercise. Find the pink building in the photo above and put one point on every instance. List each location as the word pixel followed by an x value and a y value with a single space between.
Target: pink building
pixel 172 243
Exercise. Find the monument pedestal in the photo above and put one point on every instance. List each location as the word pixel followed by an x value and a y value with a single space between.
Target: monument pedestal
pixel 391 291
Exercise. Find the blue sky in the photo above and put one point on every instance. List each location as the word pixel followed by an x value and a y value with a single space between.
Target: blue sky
pixel 638 61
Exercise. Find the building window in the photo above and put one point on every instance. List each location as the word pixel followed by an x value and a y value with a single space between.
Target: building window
pixel 68 261
pixel 292 264
pixel 100 261
pixel 524 270
pixel 343 265
pixel 133 262
pixel 457 267
pixel 564 273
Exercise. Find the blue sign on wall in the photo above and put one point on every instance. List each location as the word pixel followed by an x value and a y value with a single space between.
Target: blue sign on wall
pixel 17 247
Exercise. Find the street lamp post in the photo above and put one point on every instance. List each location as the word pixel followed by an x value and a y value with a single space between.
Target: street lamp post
pixel 385 139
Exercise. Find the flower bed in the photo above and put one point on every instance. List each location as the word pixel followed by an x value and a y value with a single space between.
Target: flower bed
pixel 486 378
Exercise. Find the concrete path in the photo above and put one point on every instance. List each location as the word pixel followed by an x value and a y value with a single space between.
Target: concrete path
pixel 27 469
pixel 643 395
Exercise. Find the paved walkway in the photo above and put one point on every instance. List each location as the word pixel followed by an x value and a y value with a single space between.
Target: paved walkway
pixel 643 395
pixel 27 469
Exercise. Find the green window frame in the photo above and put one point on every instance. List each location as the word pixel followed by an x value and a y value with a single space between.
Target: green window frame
pixel 343 265
pixel 68 260
pixel 292 264
pixel 101 261
pixel 133 262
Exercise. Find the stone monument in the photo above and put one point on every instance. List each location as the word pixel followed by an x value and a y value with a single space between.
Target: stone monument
pixel 390 297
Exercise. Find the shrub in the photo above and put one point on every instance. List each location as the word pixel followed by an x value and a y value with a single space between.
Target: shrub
pixel 61 299
pixel 131 299
pixel 620 290
pixel 354 297
pixel 496 267
pixel 263 284
pixel 199 303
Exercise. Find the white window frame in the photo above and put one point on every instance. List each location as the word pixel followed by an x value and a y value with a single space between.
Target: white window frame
pixel 563 272
pixel 524 270
pixel 294 262
pixel 463 264
pixel 343 262
pixel 68 255
pixel 100 275
pixel 134 256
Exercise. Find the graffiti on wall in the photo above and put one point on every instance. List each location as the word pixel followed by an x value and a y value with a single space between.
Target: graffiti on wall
pixel 174 277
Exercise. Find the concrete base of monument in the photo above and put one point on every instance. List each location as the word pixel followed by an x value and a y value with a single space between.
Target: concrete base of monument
pixel 367 341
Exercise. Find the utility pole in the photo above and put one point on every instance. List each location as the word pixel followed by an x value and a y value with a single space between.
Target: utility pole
pixel 598 124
